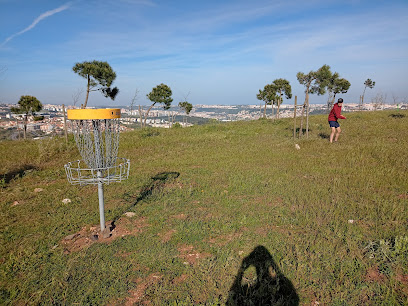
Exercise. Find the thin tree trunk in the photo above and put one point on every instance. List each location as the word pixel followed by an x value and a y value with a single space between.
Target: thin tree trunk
pixel 301 120
pixel 329 103
pixel 362 97
pixel 279 103
pixel 332 103
pixel 265 111
pixel 87 92
pixel 25 127
pixel 147 113
pixel 294 119
pixel 65 124
pixel 307 115
pixel 141 117
pixel 18 129
pixel 273 111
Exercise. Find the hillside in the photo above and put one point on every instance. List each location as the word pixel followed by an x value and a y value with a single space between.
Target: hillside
pixel 215 213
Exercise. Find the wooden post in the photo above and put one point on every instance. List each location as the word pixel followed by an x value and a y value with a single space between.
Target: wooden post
pixel 294 119
pixel 65 124
pixel 301 120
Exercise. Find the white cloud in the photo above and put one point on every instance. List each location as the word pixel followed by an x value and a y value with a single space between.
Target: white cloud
pixel 37 20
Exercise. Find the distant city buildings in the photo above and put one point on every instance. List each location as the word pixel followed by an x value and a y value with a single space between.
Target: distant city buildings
pixel 53 122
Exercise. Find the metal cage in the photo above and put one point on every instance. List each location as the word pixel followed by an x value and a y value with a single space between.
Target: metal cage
pixel 96 133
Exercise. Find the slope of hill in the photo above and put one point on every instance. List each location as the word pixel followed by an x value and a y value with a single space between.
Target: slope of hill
pixel 214 214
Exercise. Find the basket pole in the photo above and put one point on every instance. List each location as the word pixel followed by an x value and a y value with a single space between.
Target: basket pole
pixel 101 202
pixel 99 164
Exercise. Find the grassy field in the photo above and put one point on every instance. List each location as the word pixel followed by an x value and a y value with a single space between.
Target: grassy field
pixel 222 214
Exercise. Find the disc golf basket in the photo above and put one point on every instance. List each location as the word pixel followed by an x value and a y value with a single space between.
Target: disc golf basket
pixel 96 133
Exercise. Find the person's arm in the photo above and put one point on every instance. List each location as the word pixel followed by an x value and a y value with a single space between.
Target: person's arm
pixel 337 112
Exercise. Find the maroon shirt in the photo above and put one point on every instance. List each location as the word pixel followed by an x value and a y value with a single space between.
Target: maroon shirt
pixel 336 113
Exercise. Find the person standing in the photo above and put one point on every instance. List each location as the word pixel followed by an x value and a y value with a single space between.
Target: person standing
pixel 334 115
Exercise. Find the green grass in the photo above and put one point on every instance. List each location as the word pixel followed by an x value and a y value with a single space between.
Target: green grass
pixel 218 191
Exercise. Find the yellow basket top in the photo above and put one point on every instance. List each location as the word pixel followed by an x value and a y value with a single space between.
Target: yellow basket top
pixel 93 114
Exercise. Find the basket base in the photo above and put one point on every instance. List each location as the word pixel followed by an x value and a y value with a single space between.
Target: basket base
pixel 86 176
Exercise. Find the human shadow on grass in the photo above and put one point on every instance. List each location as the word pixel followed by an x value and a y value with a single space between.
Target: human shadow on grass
pixel 270 287
pixel 297 130
pixel 156 182
pixel 397 115
pixel 324 135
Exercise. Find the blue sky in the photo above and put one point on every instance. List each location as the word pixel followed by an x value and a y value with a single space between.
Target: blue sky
pixel 212 52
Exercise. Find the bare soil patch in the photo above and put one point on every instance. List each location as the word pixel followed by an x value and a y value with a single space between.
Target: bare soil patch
pixel 165 237
pixel 189 255
pixel 90 235
pixel 180 217
pixel 138 295
pixel 223 240
pixel 180 279
pixel 374 275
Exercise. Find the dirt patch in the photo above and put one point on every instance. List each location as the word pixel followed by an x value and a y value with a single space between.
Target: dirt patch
pixel 173 185
pixel 129 226
pixel 225 239
pixel 180 279
pixel 374 275
pixel 180 217
pixel 90 235
pixel 402 279
pixel 189 255
pixel 138 295
pixel 403 196
pixel 165 237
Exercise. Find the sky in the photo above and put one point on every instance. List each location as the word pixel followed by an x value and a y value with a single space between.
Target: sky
pixel 207 52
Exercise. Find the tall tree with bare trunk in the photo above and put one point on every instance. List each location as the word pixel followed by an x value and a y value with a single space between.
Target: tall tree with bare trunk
pixel 314 82
pixel 99 76
pixel 159 94
pixel 336 85
pixel 27 105
pixel 268 96
pixel 370 84
pixel 282 87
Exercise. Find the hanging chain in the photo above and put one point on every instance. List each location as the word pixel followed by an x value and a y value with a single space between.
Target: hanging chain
pixel 97 141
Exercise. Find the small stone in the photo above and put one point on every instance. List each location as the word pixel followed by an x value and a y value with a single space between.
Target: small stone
pixel 71 237
pixel 66 201
pixel 38 189
pixel 130 214
pixel 351 221
pixel 15 203
pixel 297 147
